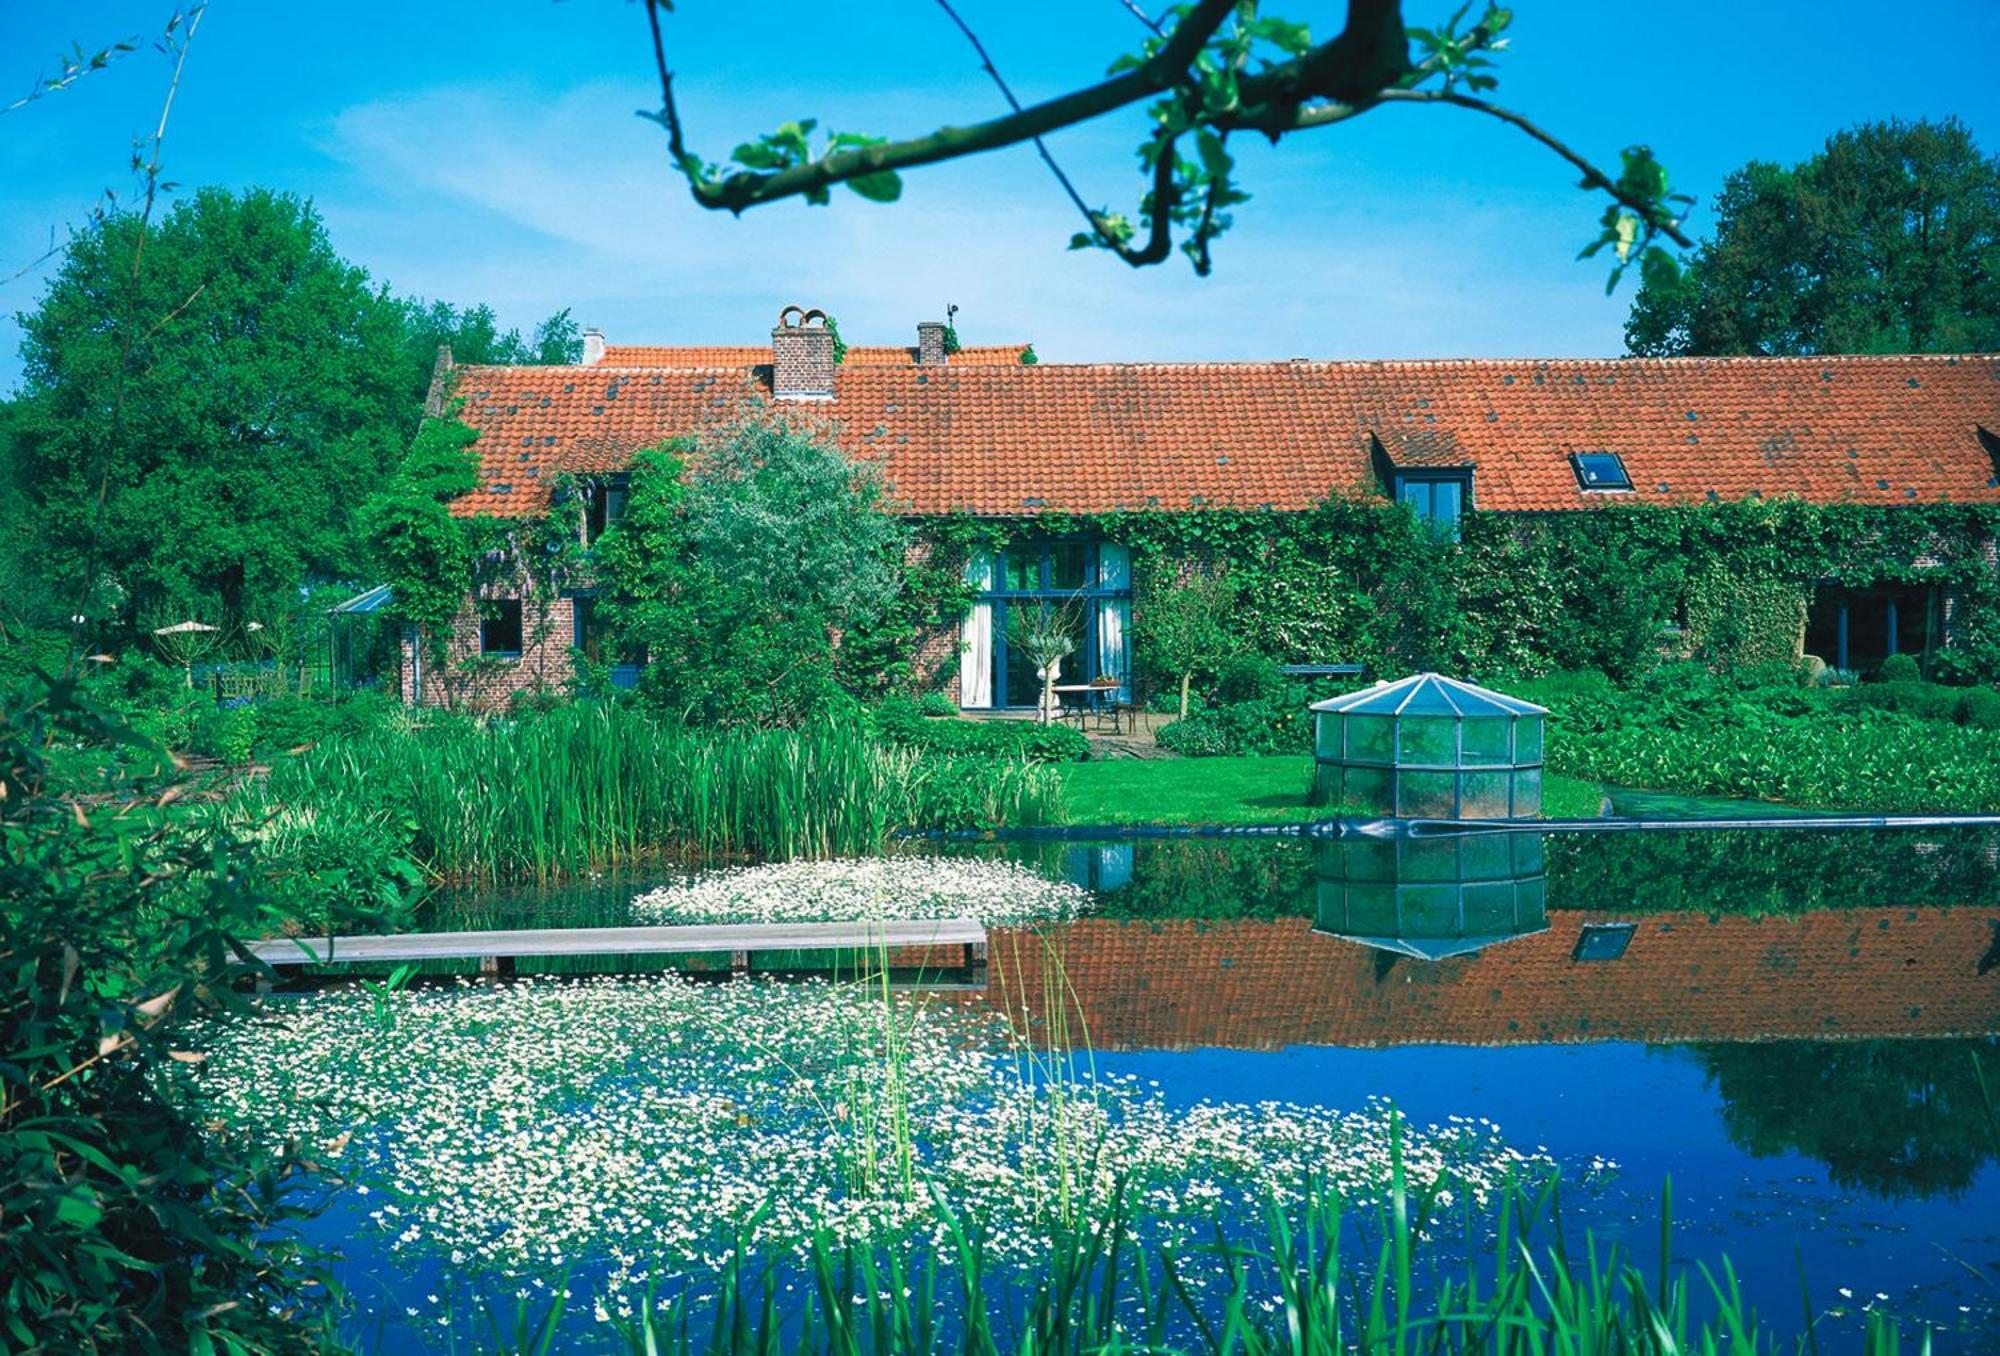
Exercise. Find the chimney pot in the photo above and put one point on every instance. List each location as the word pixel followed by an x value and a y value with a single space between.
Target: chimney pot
pixel 930 343
pixel 802 355
pixel 593 347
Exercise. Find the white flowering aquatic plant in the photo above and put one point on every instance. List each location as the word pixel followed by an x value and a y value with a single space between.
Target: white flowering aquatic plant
pixel 866 889
pixel 633 1129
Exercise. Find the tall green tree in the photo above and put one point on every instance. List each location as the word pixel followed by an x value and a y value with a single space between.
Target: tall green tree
pixel 202 428
pixel 1886 241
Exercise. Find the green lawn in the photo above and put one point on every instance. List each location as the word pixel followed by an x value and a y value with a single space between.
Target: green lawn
pixel 1268 790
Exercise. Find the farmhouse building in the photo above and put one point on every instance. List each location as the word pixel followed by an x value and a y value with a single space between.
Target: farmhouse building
pixel 990 432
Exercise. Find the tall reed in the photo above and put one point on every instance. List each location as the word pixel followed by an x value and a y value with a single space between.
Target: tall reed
pixel 591 786
pixel 1286 1288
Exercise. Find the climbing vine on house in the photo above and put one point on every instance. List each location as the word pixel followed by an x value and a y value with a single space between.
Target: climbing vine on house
pixel 1616 588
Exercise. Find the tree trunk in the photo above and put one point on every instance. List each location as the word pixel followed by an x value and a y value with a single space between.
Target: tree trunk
pixel 1187 680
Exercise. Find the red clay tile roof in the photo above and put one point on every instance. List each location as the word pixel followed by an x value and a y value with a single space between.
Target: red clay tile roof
pixel 750 355
pixel 1257 984
pixel 1007 440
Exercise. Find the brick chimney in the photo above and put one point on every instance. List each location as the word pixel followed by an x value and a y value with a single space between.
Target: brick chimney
pixel 930 343
pixel 802 356
pixel 593 347
pixel 437 398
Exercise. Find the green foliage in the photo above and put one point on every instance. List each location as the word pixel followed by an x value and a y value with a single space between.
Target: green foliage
pixel 737 576
pixel 426 554
pixel 792 145
pixel 124 1224
pixel 475 337
pixel 903 723
pixel 1758 735
pixel 1240 729
pixel 1287 1285
pixel 592 785
pixel 1618 590
pixel 235 398
pixel 1886 241
pixel 937 704
pixel 1899 668
pixel 1182 618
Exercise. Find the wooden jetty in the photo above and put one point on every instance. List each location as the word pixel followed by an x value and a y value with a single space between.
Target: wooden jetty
pixel 497 951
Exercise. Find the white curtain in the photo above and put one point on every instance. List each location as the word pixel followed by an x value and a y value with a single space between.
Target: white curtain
pixel 1114 617
pixel 975 662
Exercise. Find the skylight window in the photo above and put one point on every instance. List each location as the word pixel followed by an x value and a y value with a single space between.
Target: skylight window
pixel 1600 471
pixel 1603 941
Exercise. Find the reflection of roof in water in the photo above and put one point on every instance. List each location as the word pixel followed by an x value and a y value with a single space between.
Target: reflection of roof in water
pixel 1257 984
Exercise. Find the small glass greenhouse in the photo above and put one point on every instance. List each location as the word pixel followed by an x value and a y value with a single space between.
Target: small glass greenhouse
pixel 1430 747
pixel 1431 897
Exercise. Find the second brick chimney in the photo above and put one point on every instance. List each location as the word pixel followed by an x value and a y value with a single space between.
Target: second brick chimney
pixel 930 343
pixel 802 356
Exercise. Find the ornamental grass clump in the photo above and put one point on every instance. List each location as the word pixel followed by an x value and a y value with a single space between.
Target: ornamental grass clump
pixel 594 785
pixel 868 889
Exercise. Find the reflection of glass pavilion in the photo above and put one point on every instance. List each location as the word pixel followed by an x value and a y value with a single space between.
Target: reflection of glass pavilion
pixel 1430 747
pixel 1431 897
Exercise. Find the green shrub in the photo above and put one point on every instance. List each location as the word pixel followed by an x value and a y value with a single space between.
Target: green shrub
pixel 1899 668
pixel 1980 708
pixel 937 704
pixel 1251 678
pixel 226 732
pixel 1910 697
pixel 128 1225
pixel 902 722
pixel 1246 728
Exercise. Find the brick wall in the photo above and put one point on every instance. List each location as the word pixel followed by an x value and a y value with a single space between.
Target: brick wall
pixel 456 676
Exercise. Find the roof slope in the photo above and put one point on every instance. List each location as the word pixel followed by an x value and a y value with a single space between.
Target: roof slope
pixel 1002 439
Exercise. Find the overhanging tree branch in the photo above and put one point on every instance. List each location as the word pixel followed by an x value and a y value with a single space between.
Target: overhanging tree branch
pixel 1224 66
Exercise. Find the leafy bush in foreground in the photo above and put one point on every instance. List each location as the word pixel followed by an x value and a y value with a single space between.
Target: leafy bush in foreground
pixel 124 1224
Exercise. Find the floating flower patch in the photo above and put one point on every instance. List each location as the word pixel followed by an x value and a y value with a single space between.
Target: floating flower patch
pixel 866 889
pixel 628 1130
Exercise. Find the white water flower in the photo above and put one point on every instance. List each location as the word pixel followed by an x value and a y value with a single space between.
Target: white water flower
pixel 868 889
pixel 631 1127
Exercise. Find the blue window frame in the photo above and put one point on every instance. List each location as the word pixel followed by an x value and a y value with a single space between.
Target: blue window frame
pixel 1439 498
pixel 1046 574
pixel 590 638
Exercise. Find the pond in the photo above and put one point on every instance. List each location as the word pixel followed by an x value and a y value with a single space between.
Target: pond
pixel 1785 1024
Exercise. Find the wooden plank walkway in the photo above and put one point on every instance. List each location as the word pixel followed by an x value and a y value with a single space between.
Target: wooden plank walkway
pixel 496 951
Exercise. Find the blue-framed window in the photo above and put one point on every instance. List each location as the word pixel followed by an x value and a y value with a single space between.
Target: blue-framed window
pixel 1438 498
pixel 1072 575
pixel 592 638
pixel 500 628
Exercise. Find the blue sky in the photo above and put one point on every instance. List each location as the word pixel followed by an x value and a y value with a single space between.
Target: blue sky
pixel 489 152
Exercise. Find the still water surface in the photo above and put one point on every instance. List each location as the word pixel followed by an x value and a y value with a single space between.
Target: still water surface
pixel 1783 1023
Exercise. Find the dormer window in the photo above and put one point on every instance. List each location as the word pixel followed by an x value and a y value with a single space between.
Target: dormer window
pixel 603 505
pixel 1599 471
pixel 1438 498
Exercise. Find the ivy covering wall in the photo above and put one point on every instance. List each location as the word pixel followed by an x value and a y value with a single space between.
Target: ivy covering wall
pixel 1616 588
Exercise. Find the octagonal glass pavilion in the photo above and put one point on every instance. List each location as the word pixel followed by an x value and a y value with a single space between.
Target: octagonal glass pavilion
pixel 1430 747
pixel 1431 897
